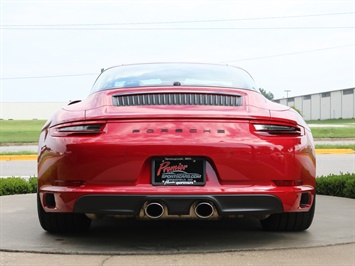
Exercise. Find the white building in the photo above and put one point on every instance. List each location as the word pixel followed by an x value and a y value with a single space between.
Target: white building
pixel 325 105
pixel 28 110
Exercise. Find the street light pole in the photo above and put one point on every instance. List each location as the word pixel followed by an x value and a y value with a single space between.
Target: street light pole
pixel 287 91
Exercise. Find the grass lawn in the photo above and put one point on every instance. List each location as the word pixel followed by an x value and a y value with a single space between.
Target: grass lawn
pixel 332 121
pixel 336 132
pixel 335 146
pixel 333 128
pixel 20 131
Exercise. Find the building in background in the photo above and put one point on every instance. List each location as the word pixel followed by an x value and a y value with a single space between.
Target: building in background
pixel 29 110
pixel 325 105
pixel 317 106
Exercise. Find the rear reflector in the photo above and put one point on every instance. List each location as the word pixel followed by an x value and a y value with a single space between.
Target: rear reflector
pixel 288 183
pixel 68 183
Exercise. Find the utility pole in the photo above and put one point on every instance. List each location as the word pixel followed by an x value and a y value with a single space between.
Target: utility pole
pixel 287 91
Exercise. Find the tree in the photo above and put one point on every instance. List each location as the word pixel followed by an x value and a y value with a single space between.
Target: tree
pixel 297 110
pixel 269 95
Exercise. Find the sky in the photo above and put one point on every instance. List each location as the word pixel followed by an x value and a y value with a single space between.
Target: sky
pixel 52 51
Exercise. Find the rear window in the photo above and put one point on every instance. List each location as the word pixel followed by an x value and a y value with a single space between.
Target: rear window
pixel 174 74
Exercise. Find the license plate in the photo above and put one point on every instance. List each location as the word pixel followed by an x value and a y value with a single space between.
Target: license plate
pixel 178 171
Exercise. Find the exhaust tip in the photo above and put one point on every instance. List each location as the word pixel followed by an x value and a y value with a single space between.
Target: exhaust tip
pixel 154 210
pixel 204 210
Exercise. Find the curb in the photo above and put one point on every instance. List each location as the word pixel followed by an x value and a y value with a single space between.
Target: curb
pixel 31 157
pixel 334 151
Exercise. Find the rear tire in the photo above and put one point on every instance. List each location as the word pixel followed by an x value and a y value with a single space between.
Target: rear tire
pixel 62 222
pixel 289 221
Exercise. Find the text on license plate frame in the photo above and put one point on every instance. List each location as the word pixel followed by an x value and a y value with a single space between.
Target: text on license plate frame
pixel 178 171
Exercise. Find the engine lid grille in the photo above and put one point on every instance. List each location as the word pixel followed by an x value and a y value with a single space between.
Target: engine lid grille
pixel 177 99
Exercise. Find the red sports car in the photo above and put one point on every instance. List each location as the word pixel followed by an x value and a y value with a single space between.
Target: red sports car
pixel 180 141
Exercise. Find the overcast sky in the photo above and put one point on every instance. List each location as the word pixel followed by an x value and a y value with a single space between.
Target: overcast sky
pixel 52 51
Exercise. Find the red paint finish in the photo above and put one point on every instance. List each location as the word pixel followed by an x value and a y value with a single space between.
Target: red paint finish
pixel 116 159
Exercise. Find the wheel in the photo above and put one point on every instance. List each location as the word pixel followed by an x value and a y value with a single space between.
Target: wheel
pixel 62 222
pixel 289 221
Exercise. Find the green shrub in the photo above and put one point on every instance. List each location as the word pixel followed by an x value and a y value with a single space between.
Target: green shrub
pixel 33 183
pixel 349 190
pixel 342 185
pixel 17 185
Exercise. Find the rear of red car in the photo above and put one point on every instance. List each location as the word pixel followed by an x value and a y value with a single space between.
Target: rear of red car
pixel 181 152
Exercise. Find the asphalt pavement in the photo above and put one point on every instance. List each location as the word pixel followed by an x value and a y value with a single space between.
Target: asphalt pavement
pixel 329 241
pixel 18 148
pixel 329 255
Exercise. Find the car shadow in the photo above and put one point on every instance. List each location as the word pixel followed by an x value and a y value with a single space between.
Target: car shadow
pixel 130 236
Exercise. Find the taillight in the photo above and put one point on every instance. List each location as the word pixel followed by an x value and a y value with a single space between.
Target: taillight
pixel 72 129
pixel 275 129
pixel 92 128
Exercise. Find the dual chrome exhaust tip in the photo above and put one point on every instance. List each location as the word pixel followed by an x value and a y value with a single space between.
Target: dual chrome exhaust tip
pixel 202 210
pixel 154 210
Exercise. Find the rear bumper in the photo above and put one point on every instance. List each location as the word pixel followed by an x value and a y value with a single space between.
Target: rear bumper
pixel 178 205
pixel 260 200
